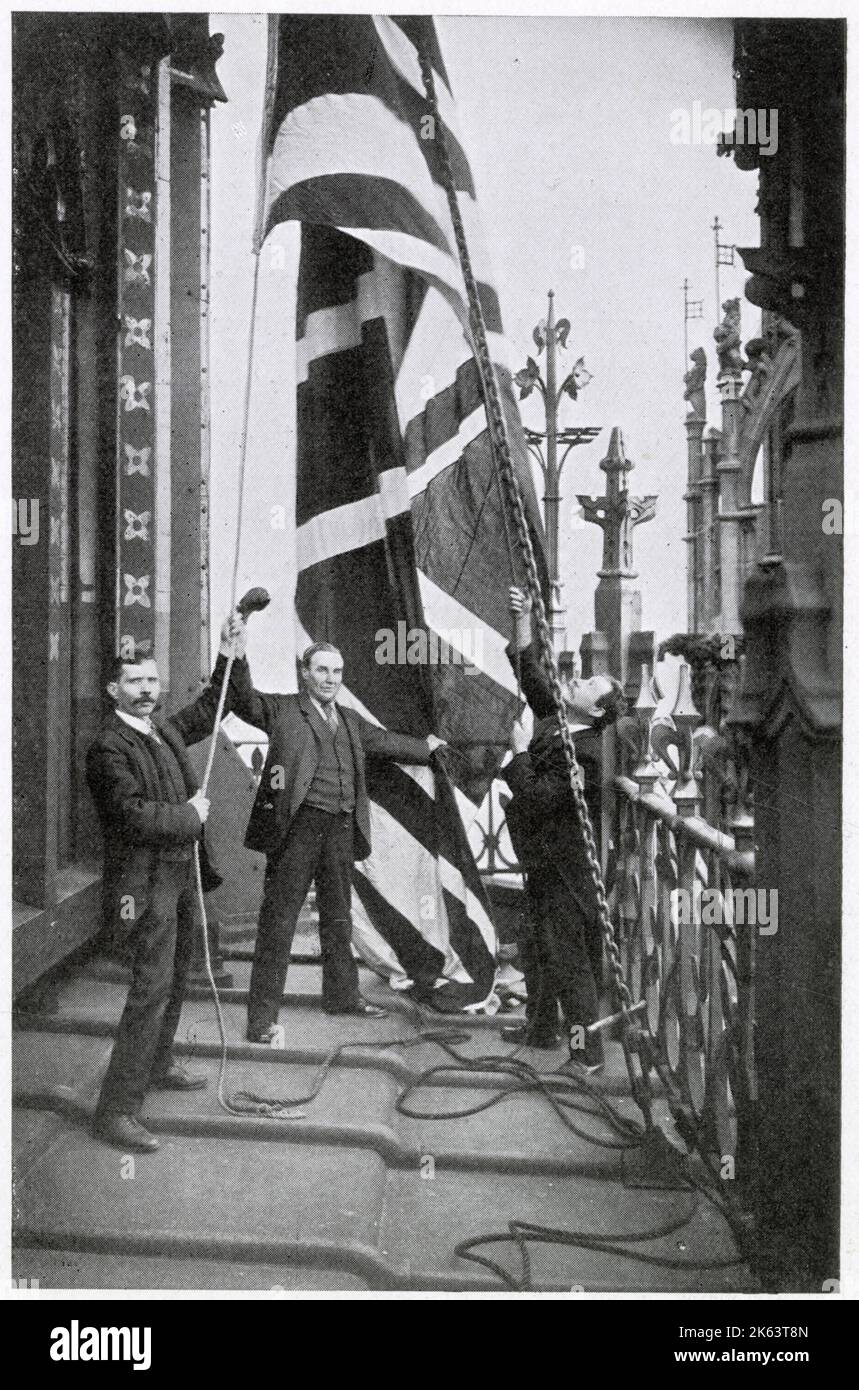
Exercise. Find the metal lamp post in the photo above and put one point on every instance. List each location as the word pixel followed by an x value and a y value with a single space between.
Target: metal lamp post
pixel 544 445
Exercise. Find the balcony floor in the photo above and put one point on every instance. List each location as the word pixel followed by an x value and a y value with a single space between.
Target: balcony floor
pixel 335 1200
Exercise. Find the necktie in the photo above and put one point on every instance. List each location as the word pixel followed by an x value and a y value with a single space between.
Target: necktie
pixel 331 716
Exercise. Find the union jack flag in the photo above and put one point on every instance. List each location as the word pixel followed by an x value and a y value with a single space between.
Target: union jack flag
pixel 400 527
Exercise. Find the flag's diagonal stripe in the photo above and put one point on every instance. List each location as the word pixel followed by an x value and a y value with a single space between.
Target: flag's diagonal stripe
pixel 348 201
pixel 428 870
pixel 404 892
pixel 418 957
pixel 404 59
pixel 436 355
pixel 411 105
pixel 370 944
pixel 417 816
pixel 402 797
pixel 449 452
pixel 444 612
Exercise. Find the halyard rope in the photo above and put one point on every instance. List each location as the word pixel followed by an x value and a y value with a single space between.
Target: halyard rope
pixel 501 451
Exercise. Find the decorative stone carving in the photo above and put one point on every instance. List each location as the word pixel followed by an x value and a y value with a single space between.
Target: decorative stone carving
pixel 727 336
pixel 694 382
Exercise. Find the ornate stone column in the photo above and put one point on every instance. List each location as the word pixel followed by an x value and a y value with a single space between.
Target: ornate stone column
pixel 728 539
pixel 617 601
pixel 695 422
pixel 710 595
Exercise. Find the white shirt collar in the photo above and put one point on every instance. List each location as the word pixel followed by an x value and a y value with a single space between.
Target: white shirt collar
pixel 143 726
pixel 322 709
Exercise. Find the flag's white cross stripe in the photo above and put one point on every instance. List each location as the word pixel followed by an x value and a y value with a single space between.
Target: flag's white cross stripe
pixel 435 351
pixel 355 524
pixel 340 327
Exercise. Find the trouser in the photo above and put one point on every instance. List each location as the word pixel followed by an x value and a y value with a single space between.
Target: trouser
pixel 318 847
pixel 160 956
pixel 556 959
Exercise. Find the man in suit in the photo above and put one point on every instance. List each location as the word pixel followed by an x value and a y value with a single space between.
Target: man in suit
pixel 311 818
pixel 152 813
pixel 561 947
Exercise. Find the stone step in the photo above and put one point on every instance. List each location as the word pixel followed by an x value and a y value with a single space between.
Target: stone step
pixel 351 1194
pixel 426 1217
pixel 262 1204
pixel 244 1201
pixel 518 1133
pixel 98 992
pixel 93 1007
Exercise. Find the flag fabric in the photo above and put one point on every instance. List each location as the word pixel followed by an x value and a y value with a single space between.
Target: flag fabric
pixel 404 553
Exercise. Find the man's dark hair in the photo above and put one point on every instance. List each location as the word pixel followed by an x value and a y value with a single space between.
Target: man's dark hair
pixel 311 651
pixel 117 663
pixel 612 704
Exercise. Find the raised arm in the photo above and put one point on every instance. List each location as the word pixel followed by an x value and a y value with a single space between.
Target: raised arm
pixel 250 704
pixel 194 721
pixel 525 658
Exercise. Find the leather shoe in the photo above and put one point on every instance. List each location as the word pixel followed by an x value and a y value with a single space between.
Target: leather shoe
pixel 124 1132
pixel 262 1035
pixel 361 1008
pixel 176 1078
pixel 519 1034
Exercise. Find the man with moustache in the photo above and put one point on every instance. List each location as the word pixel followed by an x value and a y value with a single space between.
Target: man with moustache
pixel 152 813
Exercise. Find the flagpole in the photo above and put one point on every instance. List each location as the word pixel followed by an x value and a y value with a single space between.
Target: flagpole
pixel 685 325
pixel 256 248
pixel 265 131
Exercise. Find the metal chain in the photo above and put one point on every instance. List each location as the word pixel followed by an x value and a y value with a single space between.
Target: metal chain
pixel 501 445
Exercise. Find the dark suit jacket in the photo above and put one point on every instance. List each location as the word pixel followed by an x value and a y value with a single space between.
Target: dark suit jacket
pixel 542 818
pixel 141 832
pixel 293 756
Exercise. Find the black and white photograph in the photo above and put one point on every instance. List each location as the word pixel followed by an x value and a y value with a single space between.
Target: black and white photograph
pixel 425 657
